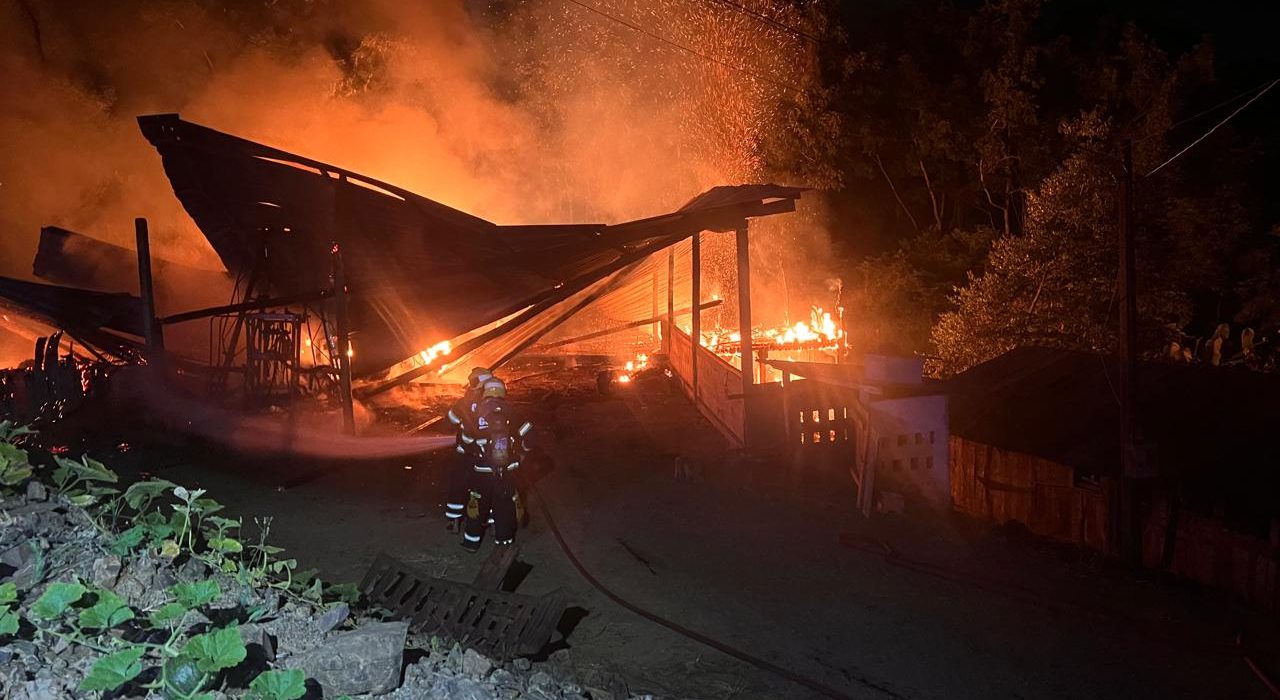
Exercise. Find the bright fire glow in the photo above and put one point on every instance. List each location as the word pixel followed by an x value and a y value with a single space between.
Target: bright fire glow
pixel 430 354
pixel 820 329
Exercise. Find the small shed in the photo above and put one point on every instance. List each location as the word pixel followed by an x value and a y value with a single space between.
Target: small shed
pixel 1035 439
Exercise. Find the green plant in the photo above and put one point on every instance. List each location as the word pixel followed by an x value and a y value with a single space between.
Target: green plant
pixel 106 612
pixel 14 467
pixel 278 685
pixel 71 475
pixel 114 670
pixel 8 617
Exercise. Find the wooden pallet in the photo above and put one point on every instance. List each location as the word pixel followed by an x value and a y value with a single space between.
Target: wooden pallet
pixel 497 623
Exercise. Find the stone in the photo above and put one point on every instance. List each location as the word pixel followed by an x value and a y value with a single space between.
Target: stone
pixel 522 664
pixel 192 570
pixel 601 694
pixel 22 558
pixel 36 491
pixel 364 660
pixel 475 664
pixel 543 681
pixel 106 570
pixel 335 616
pixel 253 633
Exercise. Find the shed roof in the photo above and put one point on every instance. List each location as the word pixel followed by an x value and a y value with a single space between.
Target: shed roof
pixel 1063 405
pixel 417 269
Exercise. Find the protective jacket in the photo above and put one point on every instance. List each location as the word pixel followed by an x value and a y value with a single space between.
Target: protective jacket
pixel 463 417
pixel 500 435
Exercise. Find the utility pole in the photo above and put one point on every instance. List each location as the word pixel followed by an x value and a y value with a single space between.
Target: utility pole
pixel 1130 520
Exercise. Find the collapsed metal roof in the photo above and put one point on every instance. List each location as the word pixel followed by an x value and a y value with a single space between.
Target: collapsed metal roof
pixel 418 271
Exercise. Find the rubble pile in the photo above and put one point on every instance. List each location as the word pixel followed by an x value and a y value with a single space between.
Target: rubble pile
pixel 56 558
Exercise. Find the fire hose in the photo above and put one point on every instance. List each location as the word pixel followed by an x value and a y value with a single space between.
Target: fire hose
pixel 811 684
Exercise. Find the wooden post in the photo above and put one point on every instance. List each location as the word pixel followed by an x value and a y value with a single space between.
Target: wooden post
pixel 695 300
pixel 671 300
pixel 344 342
pixel 656 328
pixel 1130 530
pixel 787 414
pixel 151 329
pixel 745 347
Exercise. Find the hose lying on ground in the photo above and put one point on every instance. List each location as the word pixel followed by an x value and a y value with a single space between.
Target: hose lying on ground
pixel 721 647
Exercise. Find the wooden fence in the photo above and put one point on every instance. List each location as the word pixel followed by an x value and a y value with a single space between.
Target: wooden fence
pixel 1000 485
pixel 1206 551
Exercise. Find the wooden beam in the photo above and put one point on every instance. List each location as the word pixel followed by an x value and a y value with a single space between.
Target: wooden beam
pixel 344 342
pixel 152 331
pixel 744 322
pixel 695 299
pixel 671 300
pixel 618 329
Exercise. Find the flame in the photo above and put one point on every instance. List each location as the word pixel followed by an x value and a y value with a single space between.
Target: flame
pixel 821 328
pixel 430 354
pixel 624 378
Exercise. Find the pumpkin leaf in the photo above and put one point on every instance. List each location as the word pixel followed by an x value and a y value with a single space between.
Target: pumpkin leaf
pixel 216 650
pixel 128 540
pixel 114 670
pixel 279 685
pixel 87 468
pixel 196 593
pixel 56 599
pixel 107 612
pixel 166 613
pixel 140 493
pixel 8 621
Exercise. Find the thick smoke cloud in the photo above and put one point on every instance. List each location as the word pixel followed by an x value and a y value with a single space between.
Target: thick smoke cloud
pixel 519 111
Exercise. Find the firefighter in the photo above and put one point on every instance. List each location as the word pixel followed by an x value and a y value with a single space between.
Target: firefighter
pixel 462 416
pixel 500 446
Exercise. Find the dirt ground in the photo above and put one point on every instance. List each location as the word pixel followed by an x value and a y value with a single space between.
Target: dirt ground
pixel 750 553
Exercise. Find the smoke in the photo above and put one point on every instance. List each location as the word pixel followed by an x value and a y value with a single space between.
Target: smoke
pixel 308 435
pixel 530 111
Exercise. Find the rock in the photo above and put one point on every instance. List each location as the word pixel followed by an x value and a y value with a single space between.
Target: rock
pixel 192 570
pixel 333 617
pixel 131 590
pixel 542 681
pixel 22 558
pixel 364 660
pixel 6 656
pixel 475 664
pixel 602 694
pixel 522 664
pixel 253 633
pixel 106 570
pixel 36 491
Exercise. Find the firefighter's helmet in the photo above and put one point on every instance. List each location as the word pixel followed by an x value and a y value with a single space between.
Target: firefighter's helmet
pixel 479 375
pixel 495 388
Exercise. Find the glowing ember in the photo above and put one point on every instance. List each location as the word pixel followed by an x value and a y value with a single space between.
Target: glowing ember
pixel 641 362
pixel 624 378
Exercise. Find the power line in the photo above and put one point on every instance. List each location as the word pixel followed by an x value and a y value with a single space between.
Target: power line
pixel 1220 105
pixel 768 20
pixel 682 47
pixel 1215 127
